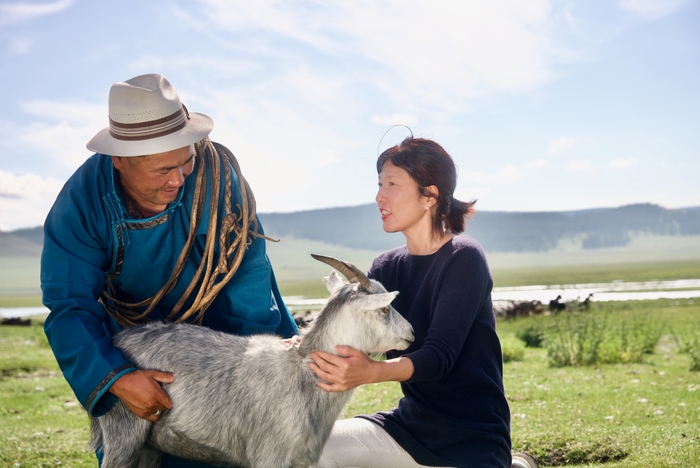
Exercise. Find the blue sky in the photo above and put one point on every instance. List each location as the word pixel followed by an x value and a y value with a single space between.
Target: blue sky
pixel 544 105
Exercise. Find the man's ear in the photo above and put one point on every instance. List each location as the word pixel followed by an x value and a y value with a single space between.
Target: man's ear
pixel 118 162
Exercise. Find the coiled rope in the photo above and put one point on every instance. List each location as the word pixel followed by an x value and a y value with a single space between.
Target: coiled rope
pixel 235 235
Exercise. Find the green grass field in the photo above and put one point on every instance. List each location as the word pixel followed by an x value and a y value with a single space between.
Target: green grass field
pixel 19 276
pixel 568 274
pixel 646 258
pixel 639 414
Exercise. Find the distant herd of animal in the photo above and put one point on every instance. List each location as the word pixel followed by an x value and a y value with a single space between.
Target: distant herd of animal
pixel 514 309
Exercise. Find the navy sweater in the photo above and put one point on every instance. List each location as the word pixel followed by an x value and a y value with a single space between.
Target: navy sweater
pixel 454 410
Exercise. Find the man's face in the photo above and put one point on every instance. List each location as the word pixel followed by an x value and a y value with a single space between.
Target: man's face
pixel 154 181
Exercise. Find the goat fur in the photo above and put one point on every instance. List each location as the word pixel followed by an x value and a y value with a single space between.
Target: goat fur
pixel 246 401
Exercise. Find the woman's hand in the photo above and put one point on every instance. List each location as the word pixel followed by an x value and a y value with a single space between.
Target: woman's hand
pixel 142 394
pixel 340 373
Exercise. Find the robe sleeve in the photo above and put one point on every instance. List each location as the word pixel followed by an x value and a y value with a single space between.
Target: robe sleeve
pixel 73 262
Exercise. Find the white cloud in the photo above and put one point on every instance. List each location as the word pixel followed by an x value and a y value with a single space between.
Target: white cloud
pixel 394 119
pixel 25 199
pixel 322 90
pixel 464 50
pixel 509 173
pixel 216 67
pixel 653 9
pixel 21 11
pixel 537 163
pixel 562 144
pixel 19 45
pixel 583 167
pixel 623 163
pixel 280 151
pixel 471 193
pixel 68 111
pixel 64 129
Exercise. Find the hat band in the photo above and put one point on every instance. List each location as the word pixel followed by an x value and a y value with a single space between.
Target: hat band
pixel 149 129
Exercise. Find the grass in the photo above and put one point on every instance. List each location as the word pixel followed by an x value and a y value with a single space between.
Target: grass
pixel 20 301
pixel 308 288
pixel 597 273
pixel 19 276
pixel 636 414
pixel 41 422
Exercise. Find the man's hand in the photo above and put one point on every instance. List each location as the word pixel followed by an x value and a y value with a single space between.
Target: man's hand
pixel 142 394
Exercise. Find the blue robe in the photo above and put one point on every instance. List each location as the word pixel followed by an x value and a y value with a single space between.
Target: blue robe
pixel 89 236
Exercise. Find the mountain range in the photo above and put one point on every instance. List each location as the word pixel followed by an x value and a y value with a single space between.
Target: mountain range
pixel 359 227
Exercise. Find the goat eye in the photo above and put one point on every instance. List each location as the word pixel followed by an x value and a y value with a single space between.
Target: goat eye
pixel 385 310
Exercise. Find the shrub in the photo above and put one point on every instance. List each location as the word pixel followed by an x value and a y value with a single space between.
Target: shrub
pixel 574 340
pixel 532 336
pixel 690 344
pixel 590 339
pixel 513 348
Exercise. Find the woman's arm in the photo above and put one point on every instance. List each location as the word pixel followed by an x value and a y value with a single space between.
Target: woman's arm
pixel 353 368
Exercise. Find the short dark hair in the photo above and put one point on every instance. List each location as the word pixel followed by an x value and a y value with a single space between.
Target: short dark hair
pixel 427 163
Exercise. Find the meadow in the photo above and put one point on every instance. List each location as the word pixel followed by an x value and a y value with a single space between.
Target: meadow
pixel 635 405
pixel 617 386
pixel 647 257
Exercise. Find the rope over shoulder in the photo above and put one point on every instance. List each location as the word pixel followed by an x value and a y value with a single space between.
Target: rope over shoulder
pixel 234 236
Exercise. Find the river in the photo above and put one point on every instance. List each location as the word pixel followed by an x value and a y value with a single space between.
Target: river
pixel 601 292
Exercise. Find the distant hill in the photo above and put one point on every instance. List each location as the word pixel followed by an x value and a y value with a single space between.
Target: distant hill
pixel 21 243
pixel 360 227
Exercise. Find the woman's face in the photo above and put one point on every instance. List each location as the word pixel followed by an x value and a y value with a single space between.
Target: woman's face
pixel 402 206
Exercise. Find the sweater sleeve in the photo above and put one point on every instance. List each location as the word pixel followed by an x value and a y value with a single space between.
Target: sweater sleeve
pixel 462 288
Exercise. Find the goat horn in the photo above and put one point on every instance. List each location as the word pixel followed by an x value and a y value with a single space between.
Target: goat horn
pixel 350 271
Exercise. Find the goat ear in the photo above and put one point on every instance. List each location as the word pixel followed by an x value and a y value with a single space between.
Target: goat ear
pixel 333 282
pixel 377 301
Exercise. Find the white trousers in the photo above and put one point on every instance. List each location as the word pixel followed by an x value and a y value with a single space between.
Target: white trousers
pixel 358 443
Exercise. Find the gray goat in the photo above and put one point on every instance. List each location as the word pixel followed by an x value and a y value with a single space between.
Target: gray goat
pixel 248 401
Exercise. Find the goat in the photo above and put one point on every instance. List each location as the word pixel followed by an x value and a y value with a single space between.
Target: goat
pixel 249 401
pixel 523 309
pixel 556 306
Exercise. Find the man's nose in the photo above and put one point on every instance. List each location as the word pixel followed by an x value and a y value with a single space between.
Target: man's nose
pixel 178 177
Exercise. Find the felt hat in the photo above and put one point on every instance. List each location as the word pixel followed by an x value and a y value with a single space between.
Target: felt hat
pixel 147 117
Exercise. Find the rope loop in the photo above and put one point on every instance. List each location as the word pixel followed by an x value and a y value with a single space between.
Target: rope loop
pixel 235 234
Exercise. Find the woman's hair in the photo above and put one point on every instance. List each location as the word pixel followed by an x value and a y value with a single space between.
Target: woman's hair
pixel 427 163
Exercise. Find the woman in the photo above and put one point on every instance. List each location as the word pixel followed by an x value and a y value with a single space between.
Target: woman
pixel 454 410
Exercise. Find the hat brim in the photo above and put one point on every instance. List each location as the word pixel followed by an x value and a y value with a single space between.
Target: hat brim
pixel 198 127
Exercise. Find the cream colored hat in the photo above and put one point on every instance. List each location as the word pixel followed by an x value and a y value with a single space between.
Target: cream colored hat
pixel 147 117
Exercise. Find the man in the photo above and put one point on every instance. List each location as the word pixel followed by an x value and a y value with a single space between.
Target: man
pixel 157 225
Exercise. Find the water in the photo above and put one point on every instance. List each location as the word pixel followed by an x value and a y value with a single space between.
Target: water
pixel 22 311
pixel 602 292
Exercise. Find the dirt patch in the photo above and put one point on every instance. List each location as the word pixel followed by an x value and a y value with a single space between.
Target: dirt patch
pixel 577 453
